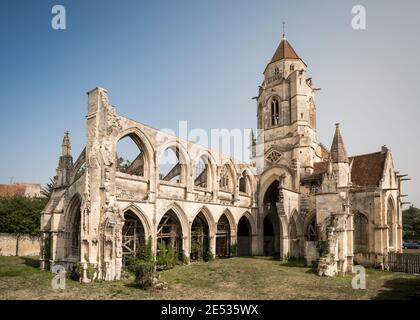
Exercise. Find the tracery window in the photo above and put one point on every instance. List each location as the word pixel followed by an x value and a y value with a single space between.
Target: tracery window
pixel 273 157
pixel 224 182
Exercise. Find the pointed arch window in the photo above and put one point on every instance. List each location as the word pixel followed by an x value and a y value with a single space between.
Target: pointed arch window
pixel 311 234
pixel 360 232
pixel 242 183
pixel 225 179
pixel 275 112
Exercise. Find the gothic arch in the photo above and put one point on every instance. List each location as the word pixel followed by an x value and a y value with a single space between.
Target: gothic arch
pixel 73 227
pixel 202 234
pixel 174 143
pixel 183 158
pixel 268 177
pixel 209 218
pixel 211 165
pixel 250 179
pixel 295 234
pixel 296 218
pixel 170 221
pixel 180 214
pixel 252 222
pixel 361 232
pixel 143 143
pixel 232 222
pixel 270 98
pixel 245 235
pixel 233 176
pixel 223 237
pixel 310 227
pixel 142 217
pixel 391 221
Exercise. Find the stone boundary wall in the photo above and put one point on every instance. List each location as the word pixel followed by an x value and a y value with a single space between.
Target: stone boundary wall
pixel 19 245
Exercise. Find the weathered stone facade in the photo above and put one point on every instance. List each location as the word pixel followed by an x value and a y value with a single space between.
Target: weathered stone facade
pixel 294 199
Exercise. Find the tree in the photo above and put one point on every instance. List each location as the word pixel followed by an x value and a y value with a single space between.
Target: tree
pixel 411 223
pixel 21 215
pixel 47 190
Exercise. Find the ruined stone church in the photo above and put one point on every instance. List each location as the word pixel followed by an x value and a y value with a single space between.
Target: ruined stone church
pixel 294 199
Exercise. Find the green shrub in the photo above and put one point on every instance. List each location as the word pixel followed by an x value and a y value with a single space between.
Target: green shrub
pixel 166 258
pixel 208 256
pixel 145 251
pixel 196 250
pixel 92 270
pixel 144 272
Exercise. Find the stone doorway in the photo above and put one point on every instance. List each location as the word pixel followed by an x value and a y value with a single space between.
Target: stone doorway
pixel 199 238
pixel 244 237
pixel 132 236
pixel 223 237
pixel 170 232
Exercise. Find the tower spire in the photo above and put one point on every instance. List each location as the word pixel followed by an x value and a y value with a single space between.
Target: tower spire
pixel 66 146
pixel 338 151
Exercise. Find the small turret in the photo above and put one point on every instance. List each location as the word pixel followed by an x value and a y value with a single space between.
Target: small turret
pixel 66 146
pixel 65 164
pixel 338 151
pixel 339 159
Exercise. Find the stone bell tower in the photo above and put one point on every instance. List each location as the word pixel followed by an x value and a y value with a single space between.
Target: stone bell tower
pixel 286 112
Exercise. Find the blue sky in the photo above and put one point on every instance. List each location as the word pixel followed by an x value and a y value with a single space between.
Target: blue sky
pixel 202 61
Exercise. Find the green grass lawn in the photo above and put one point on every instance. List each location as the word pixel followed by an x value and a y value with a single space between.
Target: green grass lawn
pixel 235 278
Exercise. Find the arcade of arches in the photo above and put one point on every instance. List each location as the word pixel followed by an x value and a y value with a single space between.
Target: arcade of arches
pixel 133 182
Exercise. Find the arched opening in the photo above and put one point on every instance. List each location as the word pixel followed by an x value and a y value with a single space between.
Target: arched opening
pixel 293 238
pixel 170 232
pixel 243 183
pixel 171 165
pixel 244 237
pixel 201 173
pixel 275 112
pixel 311 233
pixel 390 221
pixel 223 237
pixel 360 233
pixel 130 156
pixel 271 224
pixel 132 236
pixel 225 179
pixel 200 246
pixel 74 227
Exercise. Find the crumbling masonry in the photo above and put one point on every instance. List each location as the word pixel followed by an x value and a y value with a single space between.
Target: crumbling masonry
pixel 294 199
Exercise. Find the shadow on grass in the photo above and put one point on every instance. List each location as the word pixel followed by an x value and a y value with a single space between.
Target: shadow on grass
pixel 295 263
pixel 400 289
pixel 31 261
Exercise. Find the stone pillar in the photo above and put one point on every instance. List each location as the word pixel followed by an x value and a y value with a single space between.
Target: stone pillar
pixel 212 244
